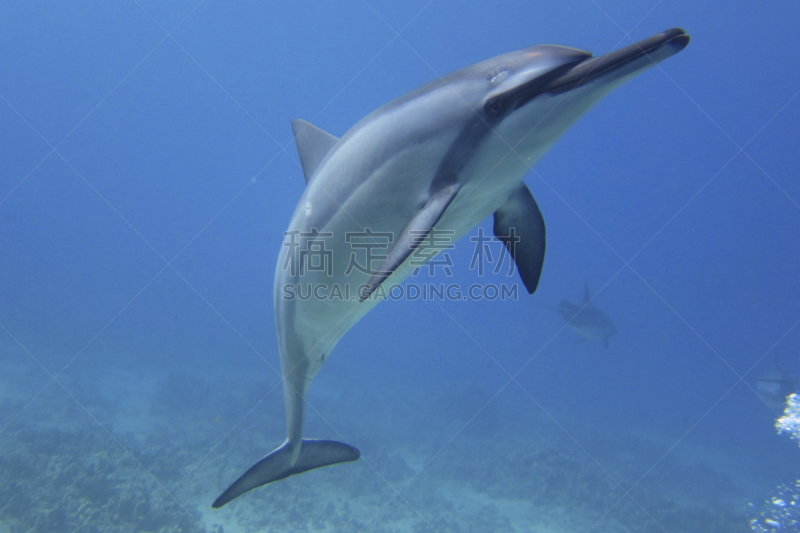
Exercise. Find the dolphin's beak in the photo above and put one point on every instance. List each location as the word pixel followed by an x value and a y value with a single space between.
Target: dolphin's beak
pixel 648 52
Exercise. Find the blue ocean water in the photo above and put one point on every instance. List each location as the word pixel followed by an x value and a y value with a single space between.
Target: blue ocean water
pixel 148 171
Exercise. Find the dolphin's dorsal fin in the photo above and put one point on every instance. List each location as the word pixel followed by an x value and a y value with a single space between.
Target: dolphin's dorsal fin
pixel 313 144
pixel 587 295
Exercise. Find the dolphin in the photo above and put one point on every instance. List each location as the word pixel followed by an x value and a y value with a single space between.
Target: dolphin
pixel 587 320
pixel 437 160
pixel 775 385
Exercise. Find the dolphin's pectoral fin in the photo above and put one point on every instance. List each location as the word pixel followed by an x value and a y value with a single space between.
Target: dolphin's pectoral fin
pixel 520 225
pixel 277 465
pixel 587 294
pixel 412 235
pixel 581 340
pixel 313 144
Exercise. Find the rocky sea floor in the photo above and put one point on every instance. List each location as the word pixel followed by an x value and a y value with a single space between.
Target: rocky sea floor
pixel 150 455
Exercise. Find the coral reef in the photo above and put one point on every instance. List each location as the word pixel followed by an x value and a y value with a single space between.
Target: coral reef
pixel 55 481
pixel 449 471
pixel 780 513
pixel 790 421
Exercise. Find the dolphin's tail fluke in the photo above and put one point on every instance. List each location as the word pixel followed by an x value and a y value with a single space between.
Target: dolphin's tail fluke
pixel 277 465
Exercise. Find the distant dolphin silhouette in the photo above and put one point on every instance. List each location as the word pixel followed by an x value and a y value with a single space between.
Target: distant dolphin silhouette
pixel 587 320
pixel 775 385
pixel 446 155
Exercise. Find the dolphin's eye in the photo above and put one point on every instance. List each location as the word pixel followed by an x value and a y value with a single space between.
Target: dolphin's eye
pixel 494 106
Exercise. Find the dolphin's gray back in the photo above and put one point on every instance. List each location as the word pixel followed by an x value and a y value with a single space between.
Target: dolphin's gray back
pixel 383 138
pixel 443 109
